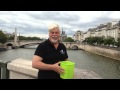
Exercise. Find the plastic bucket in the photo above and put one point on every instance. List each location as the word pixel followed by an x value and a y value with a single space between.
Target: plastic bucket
pixel 68 66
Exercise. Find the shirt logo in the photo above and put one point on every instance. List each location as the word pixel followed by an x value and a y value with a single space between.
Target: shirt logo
pixel 62 52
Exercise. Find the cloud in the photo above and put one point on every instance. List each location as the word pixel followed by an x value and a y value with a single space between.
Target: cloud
pixel 35 23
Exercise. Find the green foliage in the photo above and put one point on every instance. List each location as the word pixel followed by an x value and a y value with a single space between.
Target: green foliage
pixel 24 38
pixel 91 40
pixel 100 40
pixel 88 40
pixel 11 37
pixel 68 39
pixel 109 40
pixel 118 42
pixel 3 37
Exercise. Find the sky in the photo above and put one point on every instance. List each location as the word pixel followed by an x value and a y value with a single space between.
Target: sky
pixel 35 23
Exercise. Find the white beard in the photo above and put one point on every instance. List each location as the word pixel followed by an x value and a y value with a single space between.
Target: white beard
pixel 54 41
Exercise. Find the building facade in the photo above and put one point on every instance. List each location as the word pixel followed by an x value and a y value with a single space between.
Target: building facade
pixel 111 29
pixel 78 36
pixel 63 36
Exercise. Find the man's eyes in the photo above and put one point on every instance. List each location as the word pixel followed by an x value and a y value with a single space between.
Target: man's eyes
pixel 54 32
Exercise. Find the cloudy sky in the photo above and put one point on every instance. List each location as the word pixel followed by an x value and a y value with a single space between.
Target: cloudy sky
pixel 35 23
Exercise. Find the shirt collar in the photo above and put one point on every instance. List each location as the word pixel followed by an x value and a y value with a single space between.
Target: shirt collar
pixel 50 44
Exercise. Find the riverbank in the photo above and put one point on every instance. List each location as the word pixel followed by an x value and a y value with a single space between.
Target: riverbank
pixel 110 52
pixel 2 49
pixel 106 52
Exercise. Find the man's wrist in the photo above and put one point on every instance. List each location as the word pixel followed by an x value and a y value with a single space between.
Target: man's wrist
pixel 51 67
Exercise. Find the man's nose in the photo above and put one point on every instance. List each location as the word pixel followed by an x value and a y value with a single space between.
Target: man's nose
pixel 54 34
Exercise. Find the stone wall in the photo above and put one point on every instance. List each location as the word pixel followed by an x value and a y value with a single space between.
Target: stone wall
pixel 22 69
pixel 111 53
pixel 104 51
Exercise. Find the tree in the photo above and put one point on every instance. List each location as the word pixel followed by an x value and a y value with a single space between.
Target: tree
pixel 28 38
pixel 68 39
pixel 100 40
pixel 109 41
pixel 3 37
pixel 118 42
pixel 11 37
pixel 90 40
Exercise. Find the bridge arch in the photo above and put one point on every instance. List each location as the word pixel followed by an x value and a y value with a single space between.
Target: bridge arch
pixel 9 44
pixel 74 47
pixel 23 43
pixel 29 44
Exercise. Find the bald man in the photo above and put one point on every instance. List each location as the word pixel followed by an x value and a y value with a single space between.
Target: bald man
pixel 48 55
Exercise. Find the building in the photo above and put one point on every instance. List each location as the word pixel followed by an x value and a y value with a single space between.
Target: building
pixel 63 36
pixel 111 29
pixel 78 36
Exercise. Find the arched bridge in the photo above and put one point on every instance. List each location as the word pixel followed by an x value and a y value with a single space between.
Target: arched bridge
pixel 24 43
pixel 73 45
pixel 29 44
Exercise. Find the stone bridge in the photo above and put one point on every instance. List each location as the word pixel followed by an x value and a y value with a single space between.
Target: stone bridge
pixel 23 43
pixel 73 45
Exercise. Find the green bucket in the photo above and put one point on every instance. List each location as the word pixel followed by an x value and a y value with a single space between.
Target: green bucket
pixel 68 66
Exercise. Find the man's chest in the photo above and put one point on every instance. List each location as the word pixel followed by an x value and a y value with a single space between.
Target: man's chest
pixel 53 53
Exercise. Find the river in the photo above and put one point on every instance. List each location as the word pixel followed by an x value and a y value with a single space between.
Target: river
pixel 105 67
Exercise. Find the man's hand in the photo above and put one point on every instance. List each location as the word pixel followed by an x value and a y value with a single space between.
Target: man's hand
pixel 57 68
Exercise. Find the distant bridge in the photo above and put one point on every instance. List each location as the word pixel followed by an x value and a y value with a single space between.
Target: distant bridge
pixel 25 43
pixel 73 45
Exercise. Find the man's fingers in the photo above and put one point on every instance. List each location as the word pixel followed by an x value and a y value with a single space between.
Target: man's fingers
pixel 58 63
pixel 61 71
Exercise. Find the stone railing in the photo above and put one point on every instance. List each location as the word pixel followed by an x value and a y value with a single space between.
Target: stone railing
pixel 22 69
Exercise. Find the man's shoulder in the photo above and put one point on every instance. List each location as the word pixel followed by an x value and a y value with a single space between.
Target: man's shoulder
pixel 62 44
pixel 43 43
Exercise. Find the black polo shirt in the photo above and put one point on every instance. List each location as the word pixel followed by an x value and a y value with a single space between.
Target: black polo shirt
pixel 50 55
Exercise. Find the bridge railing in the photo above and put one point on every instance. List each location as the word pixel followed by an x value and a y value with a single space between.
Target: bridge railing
pixel 4 72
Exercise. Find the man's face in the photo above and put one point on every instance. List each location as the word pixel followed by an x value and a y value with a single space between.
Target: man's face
pixel 54 35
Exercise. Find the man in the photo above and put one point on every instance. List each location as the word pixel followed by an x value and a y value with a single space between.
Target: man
pixel 48 55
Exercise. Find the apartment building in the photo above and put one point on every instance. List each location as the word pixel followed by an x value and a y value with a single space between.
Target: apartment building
pixel 78 36
pixel 109 29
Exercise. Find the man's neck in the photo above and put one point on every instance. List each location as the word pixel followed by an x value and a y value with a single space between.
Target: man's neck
pixel 56 45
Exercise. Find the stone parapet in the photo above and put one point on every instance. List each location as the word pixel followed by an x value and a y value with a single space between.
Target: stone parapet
pixel 22 69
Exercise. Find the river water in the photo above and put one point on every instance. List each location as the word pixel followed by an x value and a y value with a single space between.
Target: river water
pixel 105 67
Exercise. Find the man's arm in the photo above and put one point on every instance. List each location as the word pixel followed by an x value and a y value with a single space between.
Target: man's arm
pixel 38 64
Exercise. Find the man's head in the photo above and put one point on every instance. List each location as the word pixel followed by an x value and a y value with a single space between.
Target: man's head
pixel 54 33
